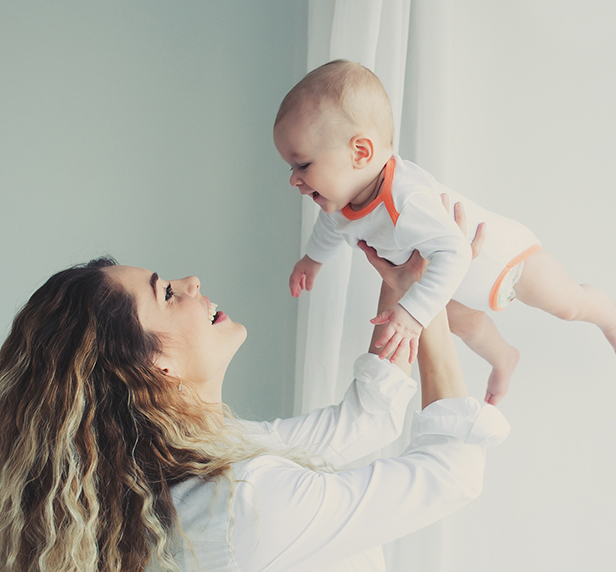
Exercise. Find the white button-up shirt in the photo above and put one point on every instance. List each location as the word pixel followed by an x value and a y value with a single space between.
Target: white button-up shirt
pixel 283 517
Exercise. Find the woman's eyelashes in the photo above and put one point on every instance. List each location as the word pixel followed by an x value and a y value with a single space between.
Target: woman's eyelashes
pixel 168 292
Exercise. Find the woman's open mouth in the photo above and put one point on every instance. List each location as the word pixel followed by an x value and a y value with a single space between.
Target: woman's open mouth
pixel 211 308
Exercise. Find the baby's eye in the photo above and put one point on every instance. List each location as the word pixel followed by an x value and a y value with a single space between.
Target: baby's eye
pixel 303 167
pixel 168 292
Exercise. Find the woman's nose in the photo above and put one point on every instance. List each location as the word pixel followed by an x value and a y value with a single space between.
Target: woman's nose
pixel 192 285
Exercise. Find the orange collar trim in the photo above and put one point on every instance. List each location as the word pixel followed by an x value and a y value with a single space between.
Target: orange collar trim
pixel 384 197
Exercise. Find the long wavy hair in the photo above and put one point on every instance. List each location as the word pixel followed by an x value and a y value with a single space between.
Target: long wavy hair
pixel 93 435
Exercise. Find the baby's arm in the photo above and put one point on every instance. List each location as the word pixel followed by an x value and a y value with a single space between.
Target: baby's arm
pixel 424 225
pixel 322 245
pixel 303 275
pixel 418 266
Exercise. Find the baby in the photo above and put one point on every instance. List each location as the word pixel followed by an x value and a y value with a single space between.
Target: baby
pixel 335 130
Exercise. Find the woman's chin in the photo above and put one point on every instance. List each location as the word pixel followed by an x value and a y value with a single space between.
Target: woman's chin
pixel 239 333
pixel 244 333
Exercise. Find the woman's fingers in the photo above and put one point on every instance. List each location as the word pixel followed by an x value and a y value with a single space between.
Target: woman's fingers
pixel 479 239
pixel 459 215
pixel 445 201
pixel 379 263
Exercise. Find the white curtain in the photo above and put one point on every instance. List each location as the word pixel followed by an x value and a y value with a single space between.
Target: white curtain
pixel 333 326
pixel 333 323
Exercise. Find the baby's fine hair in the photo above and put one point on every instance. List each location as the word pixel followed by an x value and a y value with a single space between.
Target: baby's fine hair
pixel 355 90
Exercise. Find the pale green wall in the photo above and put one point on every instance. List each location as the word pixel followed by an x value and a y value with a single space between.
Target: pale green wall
pixel 143 130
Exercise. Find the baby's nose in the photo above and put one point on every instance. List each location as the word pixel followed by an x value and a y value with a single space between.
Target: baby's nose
pixel 295 180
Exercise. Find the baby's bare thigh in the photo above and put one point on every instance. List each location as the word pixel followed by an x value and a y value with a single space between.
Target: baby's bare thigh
pixel 545 283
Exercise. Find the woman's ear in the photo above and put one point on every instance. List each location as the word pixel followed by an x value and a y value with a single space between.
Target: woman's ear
pixel 165 365
pixel 363 151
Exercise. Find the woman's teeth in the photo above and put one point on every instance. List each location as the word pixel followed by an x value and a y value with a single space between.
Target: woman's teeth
pixel 212 311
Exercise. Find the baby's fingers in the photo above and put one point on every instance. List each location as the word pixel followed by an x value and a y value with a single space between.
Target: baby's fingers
pixel 400 351
pixel 297 283
pixel 391 346
pixel 308 282
pixel 386 335
pixel 413 346
pixel 294 286
pixel 382 318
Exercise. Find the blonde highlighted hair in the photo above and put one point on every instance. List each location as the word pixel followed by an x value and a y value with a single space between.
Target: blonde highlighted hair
pixel 93 435
pixel 353 89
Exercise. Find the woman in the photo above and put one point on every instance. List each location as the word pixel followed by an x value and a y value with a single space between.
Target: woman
pixel 117 453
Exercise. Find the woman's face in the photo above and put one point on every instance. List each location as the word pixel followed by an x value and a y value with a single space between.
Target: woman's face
pixel 198 342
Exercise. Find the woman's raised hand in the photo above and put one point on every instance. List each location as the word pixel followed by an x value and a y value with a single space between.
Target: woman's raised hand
pixel 398 278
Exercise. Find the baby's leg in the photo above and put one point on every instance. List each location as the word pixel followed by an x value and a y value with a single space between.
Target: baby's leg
pixel 546 285
pixel 480 334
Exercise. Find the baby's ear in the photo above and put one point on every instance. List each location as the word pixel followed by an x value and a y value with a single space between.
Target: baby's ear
pixel 363 151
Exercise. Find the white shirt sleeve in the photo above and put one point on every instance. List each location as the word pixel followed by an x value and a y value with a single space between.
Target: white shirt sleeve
pixel 299 520
pixel 369 417
pixel 425 224
pixel 324 241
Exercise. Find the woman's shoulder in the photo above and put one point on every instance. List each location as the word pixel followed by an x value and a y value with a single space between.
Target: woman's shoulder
pixel 206 492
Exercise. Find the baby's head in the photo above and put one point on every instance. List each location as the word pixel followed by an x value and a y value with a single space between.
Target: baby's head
pixel 349 89
pixel 335 129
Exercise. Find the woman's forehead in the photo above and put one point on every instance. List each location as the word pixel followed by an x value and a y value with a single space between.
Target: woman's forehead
pixel 132 278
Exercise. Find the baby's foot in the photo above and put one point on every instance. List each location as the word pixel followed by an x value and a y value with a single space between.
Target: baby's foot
pixel 498 382
pixel 610 334
pixel 609 331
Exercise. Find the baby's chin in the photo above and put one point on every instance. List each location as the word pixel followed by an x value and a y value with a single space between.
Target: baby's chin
pixel 326 206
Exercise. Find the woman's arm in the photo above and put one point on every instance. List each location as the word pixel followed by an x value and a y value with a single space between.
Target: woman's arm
pixel 370 416
pixel 307 519
pixel 439 367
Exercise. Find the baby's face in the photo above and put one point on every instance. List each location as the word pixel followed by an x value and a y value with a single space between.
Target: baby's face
pixel 317 147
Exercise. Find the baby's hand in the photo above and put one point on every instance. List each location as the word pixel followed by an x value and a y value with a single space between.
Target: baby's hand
pixel 402 332
pixel 303 275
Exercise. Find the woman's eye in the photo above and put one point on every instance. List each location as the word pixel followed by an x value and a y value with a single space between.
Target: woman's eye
pixel 168 292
